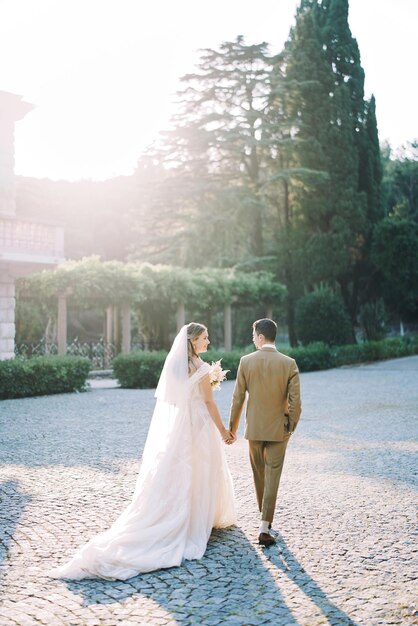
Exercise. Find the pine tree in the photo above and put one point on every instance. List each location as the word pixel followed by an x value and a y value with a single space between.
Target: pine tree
pixel 216 153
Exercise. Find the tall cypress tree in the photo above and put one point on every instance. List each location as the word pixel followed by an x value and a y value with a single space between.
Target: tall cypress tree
pixel 371 171
pixel 342 52
pixel 358 284
pixel 298 115
pixel 366 274
pixel 337 131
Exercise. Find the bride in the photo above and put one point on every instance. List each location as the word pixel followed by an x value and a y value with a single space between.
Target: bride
pixel 184 488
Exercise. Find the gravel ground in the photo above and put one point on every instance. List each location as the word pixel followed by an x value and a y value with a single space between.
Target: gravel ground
pixel 345 519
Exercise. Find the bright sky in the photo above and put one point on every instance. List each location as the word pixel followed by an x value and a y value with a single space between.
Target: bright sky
pixel 102 73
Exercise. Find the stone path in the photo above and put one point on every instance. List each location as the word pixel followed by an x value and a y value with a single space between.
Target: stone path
pixel 346 514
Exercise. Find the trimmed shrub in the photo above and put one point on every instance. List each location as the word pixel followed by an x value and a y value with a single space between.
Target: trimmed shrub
pixel 347 355
pixel 411 343
pixel 44 375
pixel 391 348
pixel 230 360
pixel 321 316
pixel 398 346
pixel 315 356
pixel 139 370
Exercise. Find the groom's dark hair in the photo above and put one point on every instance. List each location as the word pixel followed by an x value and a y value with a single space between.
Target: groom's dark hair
pixel 266 327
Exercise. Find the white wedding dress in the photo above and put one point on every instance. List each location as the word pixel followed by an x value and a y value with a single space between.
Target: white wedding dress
pixel 183 490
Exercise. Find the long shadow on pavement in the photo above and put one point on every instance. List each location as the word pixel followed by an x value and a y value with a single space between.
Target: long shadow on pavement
pixel 231 585
pixel 286 561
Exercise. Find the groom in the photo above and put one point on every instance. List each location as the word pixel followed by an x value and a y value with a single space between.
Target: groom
pixel 273 410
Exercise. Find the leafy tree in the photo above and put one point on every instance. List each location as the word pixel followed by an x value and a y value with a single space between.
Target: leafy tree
pixel 395 252
pixel 401 182
pixel 395 239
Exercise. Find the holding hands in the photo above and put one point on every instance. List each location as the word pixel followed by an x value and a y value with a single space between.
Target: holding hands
pixel 228 437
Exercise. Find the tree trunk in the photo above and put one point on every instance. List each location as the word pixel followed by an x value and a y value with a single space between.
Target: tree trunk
pixel 293 340
pixel 289 271
pixel 349 304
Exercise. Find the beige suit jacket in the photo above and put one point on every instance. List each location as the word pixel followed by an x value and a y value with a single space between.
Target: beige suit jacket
pixel 270 379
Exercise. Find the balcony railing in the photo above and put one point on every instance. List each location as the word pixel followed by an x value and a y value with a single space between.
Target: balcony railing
pixel 25 237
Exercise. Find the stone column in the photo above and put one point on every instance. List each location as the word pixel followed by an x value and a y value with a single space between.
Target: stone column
pixel 227 328
pixel 108 338
pixel 181 316
pixel 62 324
pixel 116 328
pixel 109 325
pixel 7 317
pixel 126 327
pixel 269 311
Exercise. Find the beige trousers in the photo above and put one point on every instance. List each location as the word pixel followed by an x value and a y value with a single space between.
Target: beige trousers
pixel 267 458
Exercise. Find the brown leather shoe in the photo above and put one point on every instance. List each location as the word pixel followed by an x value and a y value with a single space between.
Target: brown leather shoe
pixel 264 539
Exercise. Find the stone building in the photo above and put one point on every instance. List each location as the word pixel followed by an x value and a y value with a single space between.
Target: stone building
pixel 26 245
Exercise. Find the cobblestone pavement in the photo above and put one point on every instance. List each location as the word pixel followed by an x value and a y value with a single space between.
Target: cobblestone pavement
pixel 345 517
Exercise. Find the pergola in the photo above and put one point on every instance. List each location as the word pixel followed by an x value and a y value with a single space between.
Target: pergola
pixel 121 287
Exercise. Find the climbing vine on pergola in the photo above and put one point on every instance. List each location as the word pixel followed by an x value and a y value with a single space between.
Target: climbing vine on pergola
pixel 147 289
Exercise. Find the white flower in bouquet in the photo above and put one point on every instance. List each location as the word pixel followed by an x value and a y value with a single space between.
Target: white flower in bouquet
pixel 217 375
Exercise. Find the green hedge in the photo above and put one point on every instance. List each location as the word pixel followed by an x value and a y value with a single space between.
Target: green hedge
pixel 314 356
pixel 375 350
pixel 319 356
pixel 141 370
pixel 138 370
pixel 230 360
pixel 44 375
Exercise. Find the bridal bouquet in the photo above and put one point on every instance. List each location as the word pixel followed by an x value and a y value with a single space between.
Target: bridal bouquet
pixel 217 375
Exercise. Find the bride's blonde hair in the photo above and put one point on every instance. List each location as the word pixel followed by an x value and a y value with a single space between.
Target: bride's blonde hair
pixel 194 330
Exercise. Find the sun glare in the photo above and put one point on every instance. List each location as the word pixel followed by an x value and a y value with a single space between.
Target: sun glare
pixel 98 128
pixel 102 74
